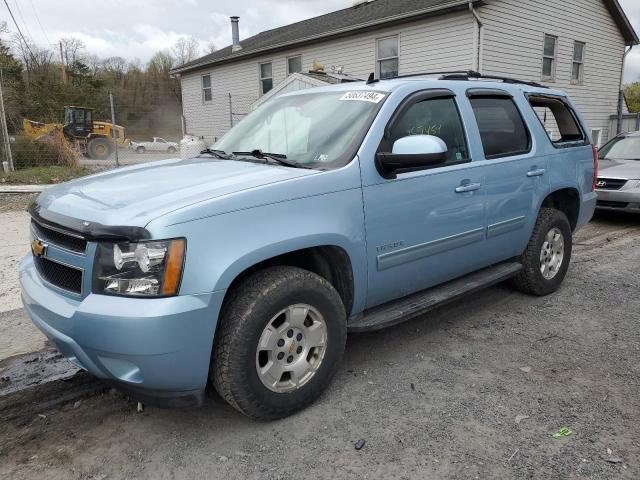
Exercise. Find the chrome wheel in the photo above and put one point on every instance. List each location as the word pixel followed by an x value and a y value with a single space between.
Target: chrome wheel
pixel 291 348
pixel 552 254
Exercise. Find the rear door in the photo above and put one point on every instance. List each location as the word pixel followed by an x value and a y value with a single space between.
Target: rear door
pixel 515 177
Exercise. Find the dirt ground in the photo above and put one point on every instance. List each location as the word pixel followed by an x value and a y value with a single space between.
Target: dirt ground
pixel 17 336
pixel 472 390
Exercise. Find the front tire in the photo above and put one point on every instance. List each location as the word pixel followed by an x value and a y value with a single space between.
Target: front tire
pixel 548 254
pixel 281 337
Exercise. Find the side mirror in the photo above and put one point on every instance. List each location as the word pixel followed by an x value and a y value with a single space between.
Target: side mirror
pixel 412 152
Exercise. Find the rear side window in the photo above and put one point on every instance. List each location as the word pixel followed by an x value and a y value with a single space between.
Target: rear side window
pixel 558 120
pixel 501 126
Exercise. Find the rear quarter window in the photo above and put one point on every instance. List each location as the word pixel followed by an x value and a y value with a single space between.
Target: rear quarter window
pixel 559 121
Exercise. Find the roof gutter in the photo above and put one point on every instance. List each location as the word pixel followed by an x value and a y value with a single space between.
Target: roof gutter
pixel 401 18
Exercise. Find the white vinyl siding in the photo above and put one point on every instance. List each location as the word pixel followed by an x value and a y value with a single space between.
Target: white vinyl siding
pixel 512 45
pixel 513 34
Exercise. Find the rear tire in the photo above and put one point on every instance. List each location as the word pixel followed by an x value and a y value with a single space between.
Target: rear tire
pixel 267 338
pixel 548 254
pixel 140 149
pixel 172 150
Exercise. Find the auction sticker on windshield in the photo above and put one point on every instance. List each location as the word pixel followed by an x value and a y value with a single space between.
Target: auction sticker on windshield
pixel 373 97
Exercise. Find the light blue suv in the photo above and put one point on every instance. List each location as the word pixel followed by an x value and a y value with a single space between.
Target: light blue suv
pixel 347 208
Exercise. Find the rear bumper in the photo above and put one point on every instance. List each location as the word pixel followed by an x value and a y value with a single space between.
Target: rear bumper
pixel 152 348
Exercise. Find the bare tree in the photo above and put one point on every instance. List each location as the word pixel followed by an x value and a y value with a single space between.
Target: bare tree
pixel 185 50
pixel 37 61
pixel 116 66
pixel 72 49
pixel 211 47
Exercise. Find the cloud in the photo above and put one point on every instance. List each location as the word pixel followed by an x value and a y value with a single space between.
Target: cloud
pixel 139 28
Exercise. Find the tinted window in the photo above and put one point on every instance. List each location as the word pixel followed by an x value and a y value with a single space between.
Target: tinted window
pixel 438 117
pixel 501 126
pixel 558 119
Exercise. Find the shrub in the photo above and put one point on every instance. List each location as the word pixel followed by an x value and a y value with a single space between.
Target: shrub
pixel 43 152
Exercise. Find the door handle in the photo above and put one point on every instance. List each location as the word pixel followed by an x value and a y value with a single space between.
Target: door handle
pixel 536 173
pixel 468 187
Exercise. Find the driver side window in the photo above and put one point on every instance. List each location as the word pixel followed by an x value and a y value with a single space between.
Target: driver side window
pixel 438 117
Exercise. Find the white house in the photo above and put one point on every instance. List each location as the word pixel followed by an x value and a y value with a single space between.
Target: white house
pixel 575 45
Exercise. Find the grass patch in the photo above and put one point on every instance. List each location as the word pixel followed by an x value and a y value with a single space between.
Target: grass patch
pixel 43 175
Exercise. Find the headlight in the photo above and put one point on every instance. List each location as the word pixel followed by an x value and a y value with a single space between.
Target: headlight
pixel 145 269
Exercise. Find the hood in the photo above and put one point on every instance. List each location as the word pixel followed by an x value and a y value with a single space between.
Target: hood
pixel 626 169
pixel 134 196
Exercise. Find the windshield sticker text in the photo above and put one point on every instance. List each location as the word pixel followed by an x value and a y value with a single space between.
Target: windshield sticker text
pixel 373 97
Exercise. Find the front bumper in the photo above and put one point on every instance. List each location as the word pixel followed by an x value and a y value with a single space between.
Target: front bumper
pixel 153 348
pixel 627 199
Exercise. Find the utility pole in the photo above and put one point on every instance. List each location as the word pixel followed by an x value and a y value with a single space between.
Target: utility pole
pixel 5 130
pixel 64 68
pixel 113 127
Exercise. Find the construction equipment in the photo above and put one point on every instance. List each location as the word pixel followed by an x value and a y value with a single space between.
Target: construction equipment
pixel 93 138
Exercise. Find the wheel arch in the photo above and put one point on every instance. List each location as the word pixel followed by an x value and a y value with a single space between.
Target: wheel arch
pixel 567 200
pixel 329 260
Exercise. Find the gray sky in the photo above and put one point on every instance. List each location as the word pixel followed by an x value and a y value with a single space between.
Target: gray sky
pixel 138 28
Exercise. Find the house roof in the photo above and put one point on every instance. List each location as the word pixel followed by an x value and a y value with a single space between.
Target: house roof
pixel 627 30
pixel 365 16
pixel 362 17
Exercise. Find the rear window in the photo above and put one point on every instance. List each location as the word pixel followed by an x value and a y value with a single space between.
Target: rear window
pixel 501 126
pixel 558 120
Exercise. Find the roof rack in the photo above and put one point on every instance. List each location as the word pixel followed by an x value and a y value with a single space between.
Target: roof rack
pixel 463 75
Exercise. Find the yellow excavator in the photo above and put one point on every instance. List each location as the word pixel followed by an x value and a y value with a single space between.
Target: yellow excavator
pixel 93 138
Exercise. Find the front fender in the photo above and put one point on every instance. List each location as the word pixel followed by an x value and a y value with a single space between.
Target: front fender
pixel 221 247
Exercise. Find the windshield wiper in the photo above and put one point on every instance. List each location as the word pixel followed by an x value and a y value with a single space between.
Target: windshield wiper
pixel 275 157
pixel 216 153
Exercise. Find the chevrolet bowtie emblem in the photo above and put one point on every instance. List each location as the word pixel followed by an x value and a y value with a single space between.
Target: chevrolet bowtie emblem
pixel 38 248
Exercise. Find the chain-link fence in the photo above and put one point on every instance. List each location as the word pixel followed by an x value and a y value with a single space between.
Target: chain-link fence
pixel 71 138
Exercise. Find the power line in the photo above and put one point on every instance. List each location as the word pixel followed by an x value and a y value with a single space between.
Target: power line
pixel 39 23
pixel 19 31
pixel 24 22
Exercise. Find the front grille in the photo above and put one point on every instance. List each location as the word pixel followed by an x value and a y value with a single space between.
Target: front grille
pixel 60 239
pixel 58 275
pixel 609 204
pixel 610 183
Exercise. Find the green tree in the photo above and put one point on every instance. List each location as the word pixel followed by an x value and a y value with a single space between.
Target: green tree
pixel 632 96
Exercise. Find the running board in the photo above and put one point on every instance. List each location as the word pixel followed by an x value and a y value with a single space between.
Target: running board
pixel 399 311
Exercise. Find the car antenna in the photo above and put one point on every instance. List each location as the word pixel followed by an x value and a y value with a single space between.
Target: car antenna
pixel 372 79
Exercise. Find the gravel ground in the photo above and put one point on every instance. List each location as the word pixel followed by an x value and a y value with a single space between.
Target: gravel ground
pixel 472 390
pixel 17 334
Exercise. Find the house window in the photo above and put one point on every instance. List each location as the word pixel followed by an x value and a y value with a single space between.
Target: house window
pixel 206 88
pixel 388 56
pixel 266 77
pixel 549 57
pixel 577 70
pixel 294 64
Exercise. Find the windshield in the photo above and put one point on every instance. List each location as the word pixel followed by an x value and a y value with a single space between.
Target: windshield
pixel 624 148
pixel 318 130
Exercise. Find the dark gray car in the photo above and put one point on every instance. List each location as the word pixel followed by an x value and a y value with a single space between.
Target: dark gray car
pixel 618 185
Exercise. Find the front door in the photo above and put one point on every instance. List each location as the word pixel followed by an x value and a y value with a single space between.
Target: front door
pixel 424 227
